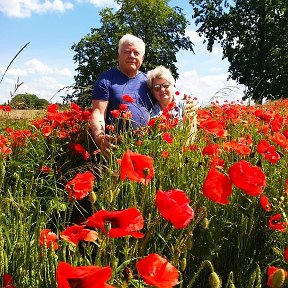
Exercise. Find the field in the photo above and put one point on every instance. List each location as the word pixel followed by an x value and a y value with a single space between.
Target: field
pixel 161 211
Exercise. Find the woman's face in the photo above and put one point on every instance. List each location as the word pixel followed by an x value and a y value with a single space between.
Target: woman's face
pixel 162 91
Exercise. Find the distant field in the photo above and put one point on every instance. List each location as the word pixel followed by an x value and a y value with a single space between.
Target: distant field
pixel 21 114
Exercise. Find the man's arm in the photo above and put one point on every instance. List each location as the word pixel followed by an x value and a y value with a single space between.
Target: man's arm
pixel 97 124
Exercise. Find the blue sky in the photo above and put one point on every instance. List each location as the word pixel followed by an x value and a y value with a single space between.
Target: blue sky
pixel 46 65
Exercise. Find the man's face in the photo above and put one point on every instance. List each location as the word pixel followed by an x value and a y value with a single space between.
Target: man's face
pixel 130 58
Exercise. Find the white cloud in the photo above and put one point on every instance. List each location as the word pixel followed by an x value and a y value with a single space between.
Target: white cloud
pixel 25 8
pixel 101 3
pixel 208 88
pixel 38 78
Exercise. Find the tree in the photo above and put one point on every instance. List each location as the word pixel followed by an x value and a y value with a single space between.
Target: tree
pixel 254 38
pixel 161 27
pixel 28 101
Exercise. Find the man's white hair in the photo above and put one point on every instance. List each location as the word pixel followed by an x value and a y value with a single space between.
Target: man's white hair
pixel 131 39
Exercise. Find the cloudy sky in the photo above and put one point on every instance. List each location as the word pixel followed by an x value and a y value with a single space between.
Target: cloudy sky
pixel 45 66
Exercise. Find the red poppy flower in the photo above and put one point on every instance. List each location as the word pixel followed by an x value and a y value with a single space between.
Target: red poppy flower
pixel 217 186
pixel 286 254
pixel 78 149
pixel 265 204
pixel 165 154
pixel 157 271
pixel 48 238
pixel 268 151
pixel 167 137
pixel 80 186
pixel 173 205
pixel 211 150
pixel 8 281
pixel 127 98
pixel 215 127
pixel 76 233
pixel 275 224
pixel 68 276
pixel 46 131
pixel 136 167
pixel 118 223
pixel 115 113
pixel 249 178
pixel 45 169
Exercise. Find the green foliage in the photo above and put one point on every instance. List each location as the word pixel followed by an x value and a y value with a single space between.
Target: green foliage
pixel 161 27
pixel 28 101
pixel 231 241
pixel 254 38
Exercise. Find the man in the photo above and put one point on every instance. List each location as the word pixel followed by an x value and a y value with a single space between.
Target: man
pixel 110 87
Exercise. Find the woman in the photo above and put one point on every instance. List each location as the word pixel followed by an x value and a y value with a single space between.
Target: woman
pixel 162 85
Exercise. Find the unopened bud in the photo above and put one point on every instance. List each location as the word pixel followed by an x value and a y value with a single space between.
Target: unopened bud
pixel 232 286
pixel 205 223
pixel 278 278
pixel 214 280
pixel 183 264
pixel 92 197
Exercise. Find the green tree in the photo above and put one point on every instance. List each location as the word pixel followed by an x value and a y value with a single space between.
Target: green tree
pixel 254 38
pixel 28 101
pixel 161 27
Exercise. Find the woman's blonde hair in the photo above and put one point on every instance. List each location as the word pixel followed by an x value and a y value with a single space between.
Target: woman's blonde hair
pixel 158 73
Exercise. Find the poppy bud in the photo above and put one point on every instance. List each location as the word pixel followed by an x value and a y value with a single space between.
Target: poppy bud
pixel 92 197
pixel 214 280
pixel 278 278
pixel 183 264
pixel 232 286
pixel 107 226
pixel 205 223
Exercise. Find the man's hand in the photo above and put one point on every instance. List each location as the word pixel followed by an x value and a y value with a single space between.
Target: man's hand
pixel 105 143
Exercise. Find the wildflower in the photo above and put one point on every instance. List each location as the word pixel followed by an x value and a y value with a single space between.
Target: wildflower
pixel 8 281
pixel 165 154
pixel 268 151
pixel 45 169
pixel 128 98
pixel 173 205
pixel 80 186
pixel 214 127
pixel 46 131
pixel 274 224
pixel 157 271
pixel 76 233
pixel 68 276
pixel 249 178
pixel 122 223
pixel 48 238
pixel 217 187
pixel 167 137
pixel 265 204
pixel 286 254
pixel 211 150
pixel 133 166
pixel 78 149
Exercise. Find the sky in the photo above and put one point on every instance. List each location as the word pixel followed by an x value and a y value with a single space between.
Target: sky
pixel 45 67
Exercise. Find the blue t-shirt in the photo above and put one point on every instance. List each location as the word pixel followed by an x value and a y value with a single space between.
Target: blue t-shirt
pixel 176 112
pixel 113 84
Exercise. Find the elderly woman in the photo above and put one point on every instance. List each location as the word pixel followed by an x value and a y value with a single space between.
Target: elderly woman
pixel 162 85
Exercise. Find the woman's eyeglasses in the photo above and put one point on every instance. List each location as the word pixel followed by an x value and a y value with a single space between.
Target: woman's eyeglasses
pixel 157 87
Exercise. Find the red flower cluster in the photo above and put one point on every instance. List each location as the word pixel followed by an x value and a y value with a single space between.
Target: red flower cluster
pixel 173 205
pixel 8 281
pixel 80 186
pixel 157 271
pixel 118 223
pixel 268 151
pixel 275 224
pixel 136 167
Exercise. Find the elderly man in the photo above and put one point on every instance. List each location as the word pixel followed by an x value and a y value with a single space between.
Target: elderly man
pixel 126 79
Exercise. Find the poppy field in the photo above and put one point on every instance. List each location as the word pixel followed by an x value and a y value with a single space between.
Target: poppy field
pixel 160 211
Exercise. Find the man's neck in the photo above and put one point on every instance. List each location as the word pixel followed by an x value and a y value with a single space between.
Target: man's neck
pixel 129 73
